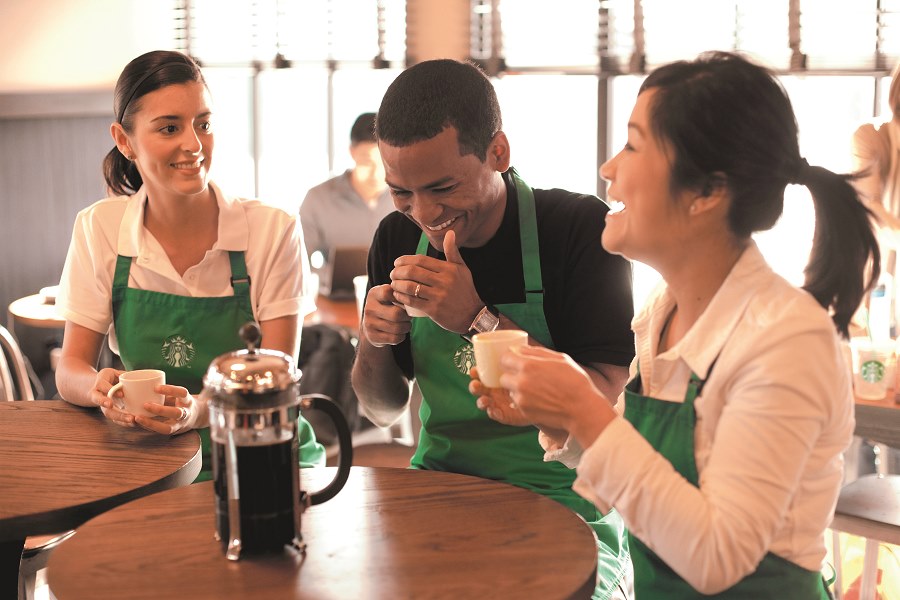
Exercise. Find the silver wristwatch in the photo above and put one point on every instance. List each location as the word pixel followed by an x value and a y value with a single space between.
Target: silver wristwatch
pixel 487 319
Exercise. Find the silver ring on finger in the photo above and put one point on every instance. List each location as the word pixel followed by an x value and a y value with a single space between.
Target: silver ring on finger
pixel 184 414
pixel 416 293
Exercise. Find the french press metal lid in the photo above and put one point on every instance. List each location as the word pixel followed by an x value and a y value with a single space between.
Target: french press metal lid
pixel 251 378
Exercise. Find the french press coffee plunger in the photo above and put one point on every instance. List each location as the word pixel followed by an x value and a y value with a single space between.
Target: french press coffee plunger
pixel 254 407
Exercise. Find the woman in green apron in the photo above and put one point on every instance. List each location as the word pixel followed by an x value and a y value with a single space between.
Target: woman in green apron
pixel 727 460
pixel 171 267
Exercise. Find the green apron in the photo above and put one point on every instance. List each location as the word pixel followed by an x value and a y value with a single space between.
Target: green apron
pixel 669 427
pixel 458 437
pixel 181 335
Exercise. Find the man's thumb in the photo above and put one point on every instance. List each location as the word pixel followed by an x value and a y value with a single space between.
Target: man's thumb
pixel 450 249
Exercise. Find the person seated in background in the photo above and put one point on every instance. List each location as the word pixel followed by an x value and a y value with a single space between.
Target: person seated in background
pixel 875 149
pixel 346 209
pixel 474 248
pixel 170 261
pixel 726 461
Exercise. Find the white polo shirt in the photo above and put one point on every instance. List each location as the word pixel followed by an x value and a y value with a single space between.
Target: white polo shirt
pixel 270 238
pixel 773 421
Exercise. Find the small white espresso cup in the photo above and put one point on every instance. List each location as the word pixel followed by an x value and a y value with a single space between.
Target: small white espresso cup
pixel 489 347
pixel 138 388
pixel 414 312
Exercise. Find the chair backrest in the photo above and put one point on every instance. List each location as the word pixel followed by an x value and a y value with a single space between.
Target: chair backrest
pixel 14 379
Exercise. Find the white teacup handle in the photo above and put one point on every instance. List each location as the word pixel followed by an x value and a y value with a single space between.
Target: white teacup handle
pixel 111 395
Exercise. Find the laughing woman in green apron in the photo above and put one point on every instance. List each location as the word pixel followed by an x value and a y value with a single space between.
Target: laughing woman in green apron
pixel 169 266
pixel 727 460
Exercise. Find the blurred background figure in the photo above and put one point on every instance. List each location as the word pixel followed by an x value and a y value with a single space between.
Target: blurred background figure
pixel 345 210
pixel 875 148
pixel 875 155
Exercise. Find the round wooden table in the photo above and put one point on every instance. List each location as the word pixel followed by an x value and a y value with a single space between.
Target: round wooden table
pixel 61 464
pixel 35 311
pixel 390 533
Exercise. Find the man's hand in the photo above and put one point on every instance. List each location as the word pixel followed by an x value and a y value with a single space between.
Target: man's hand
pixel 384 323
pixel 442 289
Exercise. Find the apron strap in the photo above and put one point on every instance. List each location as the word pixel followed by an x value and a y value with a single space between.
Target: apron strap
pixel 531 258
pixel 123 267
pixel 422 248
pixel 240 280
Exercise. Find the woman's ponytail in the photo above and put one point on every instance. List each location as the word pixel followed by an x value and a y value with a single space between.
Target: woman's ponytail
pixel 845 261
pixel 122 177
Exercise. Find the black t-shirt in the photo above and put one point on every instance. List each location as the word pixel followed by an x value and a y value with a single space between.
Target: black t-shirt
pixel 587 291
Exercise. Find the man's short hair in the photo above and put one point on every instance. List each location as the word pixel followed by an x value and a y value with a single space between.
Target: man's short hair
pixel 363 129
pixel 428 97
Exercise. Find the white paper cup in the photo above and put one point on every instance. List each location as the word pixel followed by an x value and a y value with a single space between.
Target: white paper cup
pixel 871 368
pixel 489 347
pixel 138 388
pixel 360 285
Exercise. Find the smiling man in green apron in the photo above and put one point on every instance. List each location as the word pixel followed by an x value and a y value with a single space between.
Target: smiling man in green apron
pixel 474 248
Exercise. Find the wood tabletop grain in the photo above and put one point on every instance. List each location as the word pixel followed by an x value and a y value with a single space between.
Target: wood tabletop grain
pixel 390 533
pixel 334 312
pixel 61 464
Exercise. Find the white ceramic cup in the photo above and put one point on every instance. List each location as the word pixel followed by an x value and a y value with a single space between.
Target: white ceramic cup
pixel 489 347
pixel 414 312
pixel 138 388
pixel 871 366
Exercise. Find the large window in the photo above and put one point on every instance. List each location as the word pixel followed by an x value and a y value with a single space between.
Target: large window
pixel 832 85
pixel 288 79
pixel 566 73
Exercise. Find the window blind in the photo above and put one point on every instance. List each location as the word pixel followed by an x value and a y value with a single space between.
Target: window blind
pixel 295 30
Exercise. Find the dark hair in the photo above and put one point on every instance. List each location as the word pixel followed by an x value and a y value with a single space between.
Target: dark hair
pixel 433 95
pixel 146 73
pixel 363 129
pixel 729 122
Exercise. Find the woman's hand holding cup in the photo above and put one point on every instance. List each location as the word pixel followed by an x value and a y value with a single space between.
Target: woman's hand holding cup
pixel 495 401
pixel 489 347
pixel 180 412
pixel 142 398
pixel 132 391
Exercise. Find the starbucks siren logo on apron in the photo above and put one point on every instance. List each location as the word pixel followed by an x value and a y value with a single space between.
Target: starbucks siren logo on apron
pixel 177 351
pixel 464 358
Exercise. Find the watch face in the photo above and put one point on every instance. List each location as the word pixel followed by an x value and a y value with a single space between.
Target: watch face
pixel 487 322
pixel 484 321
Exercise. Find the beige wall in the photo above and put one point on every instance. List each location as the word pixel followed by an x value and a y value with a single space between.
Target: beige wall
pixel 48 45
pixel 437 29
pixel 76 44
